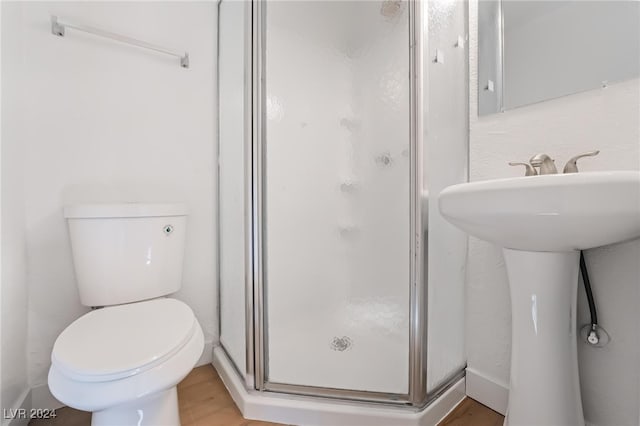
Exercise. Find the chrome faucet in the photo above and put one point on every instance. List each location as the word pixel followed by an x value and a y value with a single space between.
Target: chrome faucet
pixel 545 163
pixel 572 166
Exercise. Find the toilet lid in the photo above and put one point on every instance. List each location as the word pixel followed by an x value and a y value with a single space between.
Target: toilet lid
pixel 120 341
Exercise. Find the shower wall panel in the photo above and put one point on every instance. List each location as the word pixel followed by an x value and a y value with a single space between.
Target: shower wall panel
pixel 232 179
pixel 446 142
pixel 337 195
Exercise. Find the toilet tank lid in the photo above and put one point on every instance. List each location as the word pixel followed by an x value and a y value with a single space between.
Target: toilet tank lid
pixel 80 211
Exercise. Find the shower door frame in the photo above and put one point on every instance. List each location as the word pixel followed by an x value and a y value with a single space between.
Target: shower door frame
pixel 256 338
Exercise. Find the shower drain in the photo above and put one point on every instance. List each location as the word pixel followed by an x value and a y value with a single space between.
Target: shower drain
pixel 341 343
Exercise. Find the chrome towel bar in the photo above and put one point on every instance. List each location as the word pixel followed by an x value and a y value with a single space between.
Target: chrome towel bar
pixel 58 27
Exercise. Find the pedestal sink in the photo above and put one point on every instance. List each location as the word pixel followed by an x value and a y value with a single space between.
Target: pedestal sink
pixel 542 222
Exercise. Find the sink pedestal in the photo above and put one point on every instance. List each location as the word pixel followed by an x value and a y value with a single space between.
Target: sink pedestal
pixel 545 388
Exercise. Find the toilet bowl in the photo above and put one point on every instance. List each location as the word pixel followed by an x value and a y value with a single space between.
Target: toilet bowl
pixel 119 361
pixel 123 363
pixel 123 360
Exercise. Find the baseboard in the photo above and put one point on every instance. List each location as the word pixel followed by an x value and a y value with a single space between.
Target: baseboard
pixel 207 354
pixel 18 415
pixel 308 411
pixel 491 392
pixel 488 391
pixel 41 397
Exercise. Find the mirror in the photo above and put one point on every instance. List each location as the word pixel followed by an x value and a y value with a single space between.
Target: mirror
pixel 531 51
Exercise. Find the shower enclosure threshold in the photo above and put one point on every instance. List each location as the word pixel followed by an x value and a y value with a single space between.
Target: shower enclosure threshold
pixel 310 411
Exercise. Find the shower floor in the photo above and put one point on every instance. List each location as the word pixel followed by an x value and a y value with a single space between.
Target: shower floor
pixel 333 353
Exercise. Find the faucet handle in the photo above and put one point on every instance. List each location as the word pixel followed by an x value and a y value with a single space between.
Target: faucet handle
pixel 572 166
pixel 530 171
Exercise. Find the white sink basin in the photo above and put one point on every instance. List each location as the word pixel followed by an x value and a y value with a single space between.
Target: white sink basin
pixel 548 213
pixel 542 222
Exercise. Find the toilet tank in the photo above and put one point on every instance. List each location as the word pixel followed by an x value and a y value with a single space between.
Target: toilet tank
pixel 125 253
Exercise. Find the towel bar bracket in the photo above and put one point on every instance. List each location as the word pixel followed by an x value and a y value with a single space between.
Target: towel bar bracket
pixel 56 29
pixel 184 60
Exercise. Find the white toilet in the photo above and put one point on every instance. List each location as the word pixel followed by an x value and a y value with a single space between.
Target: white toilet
pixel 123 361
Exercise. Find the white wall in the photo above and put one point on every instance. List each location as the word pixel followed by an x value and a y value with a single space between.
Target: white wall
pixel 105 122
pixel 13 287
pixel 606 119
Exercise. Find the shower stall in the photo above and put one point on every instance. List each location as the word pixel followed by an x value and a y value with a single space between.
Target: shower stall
pixel 323 206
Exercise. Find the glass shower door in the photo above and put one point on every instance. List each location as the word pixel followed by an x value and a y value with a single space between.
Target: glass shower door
pixel 232 181
pixel 337 195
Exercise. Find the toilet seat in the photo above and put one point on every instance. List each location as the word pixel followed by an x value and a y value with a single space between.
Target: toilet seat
pixel 121 341
pixel 98 396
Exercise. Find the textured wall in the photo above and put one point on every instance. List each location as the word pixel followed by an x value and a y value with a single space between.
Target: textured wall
pixel 606 119
pixel 13 290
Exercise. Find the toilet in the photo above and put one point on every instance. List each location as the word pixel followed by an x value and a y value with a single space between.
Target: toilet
pixel 123 360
